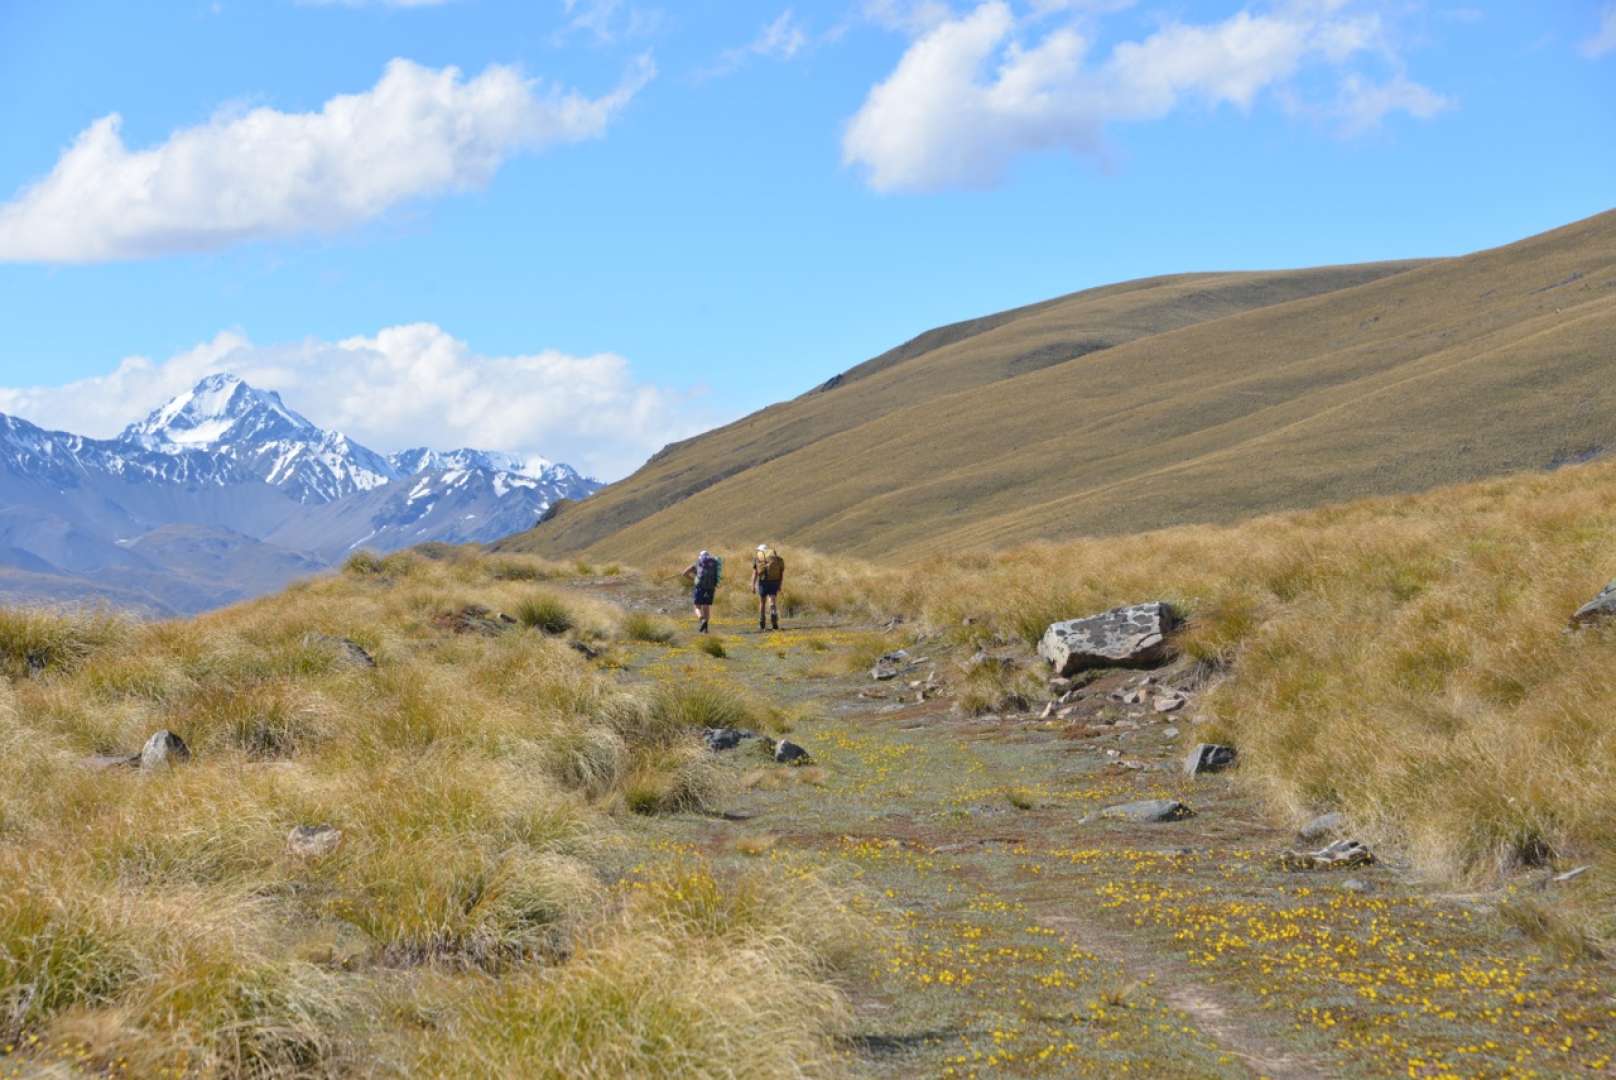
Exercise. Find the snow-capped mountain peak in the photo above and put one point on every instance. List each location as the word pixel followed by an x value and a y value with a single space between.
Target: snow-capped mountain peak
pixel 220 409
pixel 421 459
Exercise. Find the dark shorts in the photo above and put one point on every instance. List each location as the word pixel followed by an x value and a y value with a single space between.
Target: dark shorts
pixel 703 597
pixel 769 588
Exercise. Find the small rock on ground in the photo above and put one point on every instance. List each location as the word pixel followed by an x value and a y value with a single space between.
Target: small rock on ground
pixel 1209 757
pixel 163 748
pixel 1598 609
pixel 1337 856
pixel 789 753
pixel 313 841
pixel 725 738
pixel 1148 810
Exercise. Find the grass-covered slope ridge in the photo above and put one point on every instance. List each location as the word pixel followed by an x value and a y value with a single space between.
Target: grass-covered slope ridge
pixel 1154 403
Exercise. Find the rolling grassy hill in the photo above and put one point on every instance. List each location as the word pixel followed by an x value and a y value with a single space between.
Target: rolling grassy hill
pixel 1196 398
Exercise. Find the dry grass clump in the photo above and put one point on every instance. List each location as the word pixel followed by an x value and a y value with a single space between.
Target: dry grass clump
pixel 157 922
pixel 547 613
pixel 993 685
pixel 639 626
pixel 700 974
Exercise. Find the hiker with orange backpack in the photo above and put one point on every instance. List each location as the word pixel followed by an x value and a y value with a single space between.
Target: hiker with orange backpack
pixel 768 574
pixel 704 574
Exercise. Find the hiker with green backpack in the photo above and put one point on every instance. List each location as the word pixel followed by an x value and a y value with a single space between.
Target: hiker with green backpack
pixel 768 574
pixel 704 574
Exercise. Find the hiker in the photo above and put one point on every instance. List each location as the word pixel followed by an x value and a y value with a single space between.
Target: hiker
pixel 768 573
pixel 704 574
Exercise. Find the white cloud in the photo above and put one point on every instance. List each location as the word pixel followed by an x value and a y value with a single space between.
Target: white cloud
pixel 406 386
pixel 976 91
pixel 608 20
pixel 1603 40
pixel 780 39
pixel 259 173
pixel 1363 103
pixel 909 16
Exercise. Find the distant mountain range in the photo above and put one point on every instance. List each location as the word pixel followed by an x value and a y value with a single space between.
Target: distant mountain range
pixel 225 492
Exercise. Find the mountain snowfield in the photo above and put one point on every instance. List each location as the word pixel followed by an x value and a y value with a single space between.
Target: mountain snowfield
pixel 225 492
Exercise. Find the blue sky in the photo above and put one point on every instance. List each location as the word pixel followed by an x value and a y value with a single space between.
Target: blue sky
pixel 625 220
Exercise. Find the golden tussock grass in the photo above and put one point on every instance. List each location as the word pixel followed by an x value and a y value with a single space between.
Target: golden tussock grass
pixel 477 770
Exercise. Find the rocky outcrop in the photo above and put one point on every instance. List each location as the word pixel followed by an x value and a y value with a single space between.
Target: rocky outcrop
pixel 1122 637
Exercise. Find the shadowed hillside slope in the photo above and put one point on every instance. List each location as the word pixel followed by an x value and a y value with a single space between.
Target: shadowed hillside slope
pixel 1202 398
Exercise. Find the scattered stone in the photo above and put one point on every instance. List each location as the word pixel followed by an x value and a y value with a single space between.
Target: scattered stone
pixel 1169 732
pixel 1169 702
pixel 725 738
pixel 1148 810
pixel 1049 711
pixel 891 665
pixel 1337 856
pixel 1598 609
pixel 872 694
pixel 1059 685
pixel 312 841
pixel 1067 712
pixel 1136 696
pixel 897 621
pixel 1113 753
pixel 347 648
pixel 163 748
pixel 789 753
pixel 1353 884
pixel 1323 827
pixel 1209 757
pixel 1123 636
pixel 584 649
pixel 1570 875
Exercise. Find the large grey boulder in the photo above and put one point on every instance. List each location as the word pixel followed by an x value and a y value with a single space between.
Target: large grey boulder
pixel 163 748
pixel 1122 637
pixel 1600 607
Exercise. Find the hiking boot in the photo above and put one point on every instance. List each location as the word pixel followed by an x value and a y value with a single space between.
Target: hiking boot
pixel 761 627
pixel 701 628
pixel 775 618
